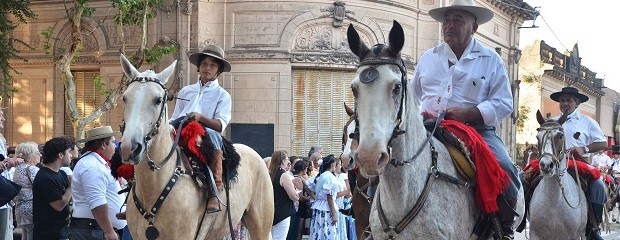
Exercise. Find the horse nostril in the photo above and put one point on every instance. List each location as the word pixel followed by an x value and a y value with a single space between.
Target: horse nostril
pixel 137 149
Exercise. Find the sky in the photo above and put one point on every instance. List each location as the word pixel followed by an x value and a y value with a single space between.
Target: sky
pixel 591 24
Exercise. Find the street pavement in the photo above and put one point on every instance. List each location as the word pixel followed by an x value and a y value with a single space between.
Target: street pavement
pixel 612 234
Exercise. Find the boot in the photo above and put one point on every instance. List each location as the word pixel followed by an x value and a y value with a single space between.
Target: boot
pixel 216 167
pixel 506 217
pixel 592 229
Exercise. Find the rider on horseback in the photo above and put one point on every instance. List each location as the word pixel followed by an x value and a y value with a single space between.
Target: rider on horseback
pixel 207 103
pixel 468 81
pixel 583 136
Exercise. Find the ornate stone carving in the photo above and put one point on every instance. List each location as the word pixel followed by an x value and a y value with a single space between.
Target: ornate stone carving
pixel 186 7
pixel 325 58
pixel 322 38
pixel 132 35
pixel 338 12
pixel 167 9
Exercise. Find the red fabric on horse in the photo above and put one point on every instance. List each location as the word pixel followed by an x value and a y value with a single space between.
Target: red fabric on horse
pixel 125 171
pixel 582 167
pixel 190 135
pixel 491 178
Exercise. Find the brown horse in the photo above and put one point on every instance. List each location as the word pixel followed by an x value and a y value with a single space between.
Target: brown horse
pixel 165 201
pixel 530 153
pixel 361 201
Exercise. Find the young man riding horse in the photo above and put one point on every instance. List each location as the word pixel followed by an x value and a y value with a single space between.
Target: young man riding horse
pixel 207 103
pixel 468 81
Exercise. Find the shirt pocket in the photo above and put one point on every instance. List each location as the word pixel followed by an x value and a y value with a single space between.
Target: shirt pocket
pixel 472 86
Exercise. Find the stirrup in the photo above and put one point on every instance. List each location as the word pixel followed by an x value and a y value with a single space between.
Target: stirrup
pixel 219 205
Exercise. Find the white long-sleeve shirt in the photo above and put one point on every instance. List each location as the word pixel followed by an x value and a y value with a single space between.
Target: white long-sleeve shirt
pixel 210 100
pixel 478 79
pixel 588 129
pixel 93 185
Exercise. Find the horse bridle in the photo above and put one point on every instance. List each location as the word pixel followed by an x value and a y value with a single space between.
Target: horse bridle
pixel 556 156
pixel 155 130
pixel 372 62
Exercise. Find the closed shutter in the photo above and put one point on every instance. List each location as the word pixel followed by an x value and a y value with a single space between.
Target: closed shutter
pixel 319 115
pixel 87 99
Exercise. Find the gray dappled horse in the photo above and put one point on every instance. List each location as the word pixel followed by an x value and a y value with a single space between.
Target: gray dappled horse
pixel 172 204
pixel 558 208
pixel 391 130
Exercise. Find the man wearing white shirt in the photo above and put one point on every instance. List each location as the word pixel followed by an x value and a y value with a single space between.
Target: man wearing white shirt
pixel 95 190
pixel 468 81
pixel 209 104
pixel 615 166
pixel 583 136
pixel 601 160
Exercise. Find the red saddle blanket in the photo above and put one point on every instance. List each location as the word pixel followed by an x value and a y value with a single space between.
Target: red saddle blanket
pixel 582 168
pixel 491 178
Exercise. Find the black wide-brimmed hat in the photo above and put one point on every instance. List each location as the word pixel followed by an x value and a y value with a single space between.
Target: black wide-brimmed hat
pixel 569 91
pixel 615 149
pixel 210 50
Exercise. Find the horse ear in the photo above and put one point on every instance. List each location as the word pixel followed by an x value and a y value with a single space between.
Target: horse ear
pixel 128 68
pixel 165 74
pixel 563 118
pixel 540 118
pixel 355 43
pixel 347 109
pixel 396 38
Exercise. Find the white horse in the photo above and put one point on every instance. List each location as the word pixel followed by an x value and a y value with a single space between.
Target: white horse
pixel 166 202
pixel 558 208
pixel 411 202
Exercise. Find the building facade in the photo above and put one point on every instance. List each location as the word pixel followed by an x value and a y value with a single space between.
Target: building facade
pixel 291 65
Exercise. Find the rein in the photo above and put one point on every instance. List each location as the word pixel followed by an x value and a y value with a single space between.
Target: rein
pixel 433 172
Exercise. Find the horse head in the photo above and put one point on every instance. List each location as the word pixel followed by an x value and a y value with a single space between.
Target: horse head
pixel 379 90
pixel 145 109
pixel 551 144
pixel 349 139
pixel 531 152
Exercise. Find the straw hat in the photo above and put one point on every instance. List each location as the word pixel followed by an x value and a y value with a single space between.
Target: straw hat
pixel 569 91
pixel 483 15
pixel 99 133
pixel 209 50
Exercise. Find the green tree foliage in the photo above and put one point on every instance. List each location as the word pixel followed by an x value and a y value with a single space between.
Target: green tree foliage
pixel 11 9
pixel 131 13
pixel 523 117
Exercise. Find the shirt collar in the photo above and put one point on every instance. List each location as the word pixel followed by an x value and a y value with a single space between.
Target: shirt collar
pixel 575 115
pixel 473 50
pixel 211 84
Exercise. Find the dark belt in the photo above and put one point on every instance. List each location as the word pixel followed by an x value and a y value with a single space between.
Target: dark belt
pixel 84 223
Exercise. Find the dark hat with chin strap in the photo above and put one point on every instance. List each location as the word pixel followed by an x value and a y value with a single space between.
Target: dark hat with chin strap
pixel 569 91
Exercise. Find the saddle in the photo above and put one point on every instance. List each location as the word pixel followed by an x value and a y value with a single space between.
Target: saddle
pixel 458 151
pixel 198 150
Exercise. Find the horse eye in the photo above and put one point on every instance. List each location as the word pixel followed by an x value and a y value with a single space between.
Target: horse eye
pixel 397 89
pixel 158 100
pixel 124 99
